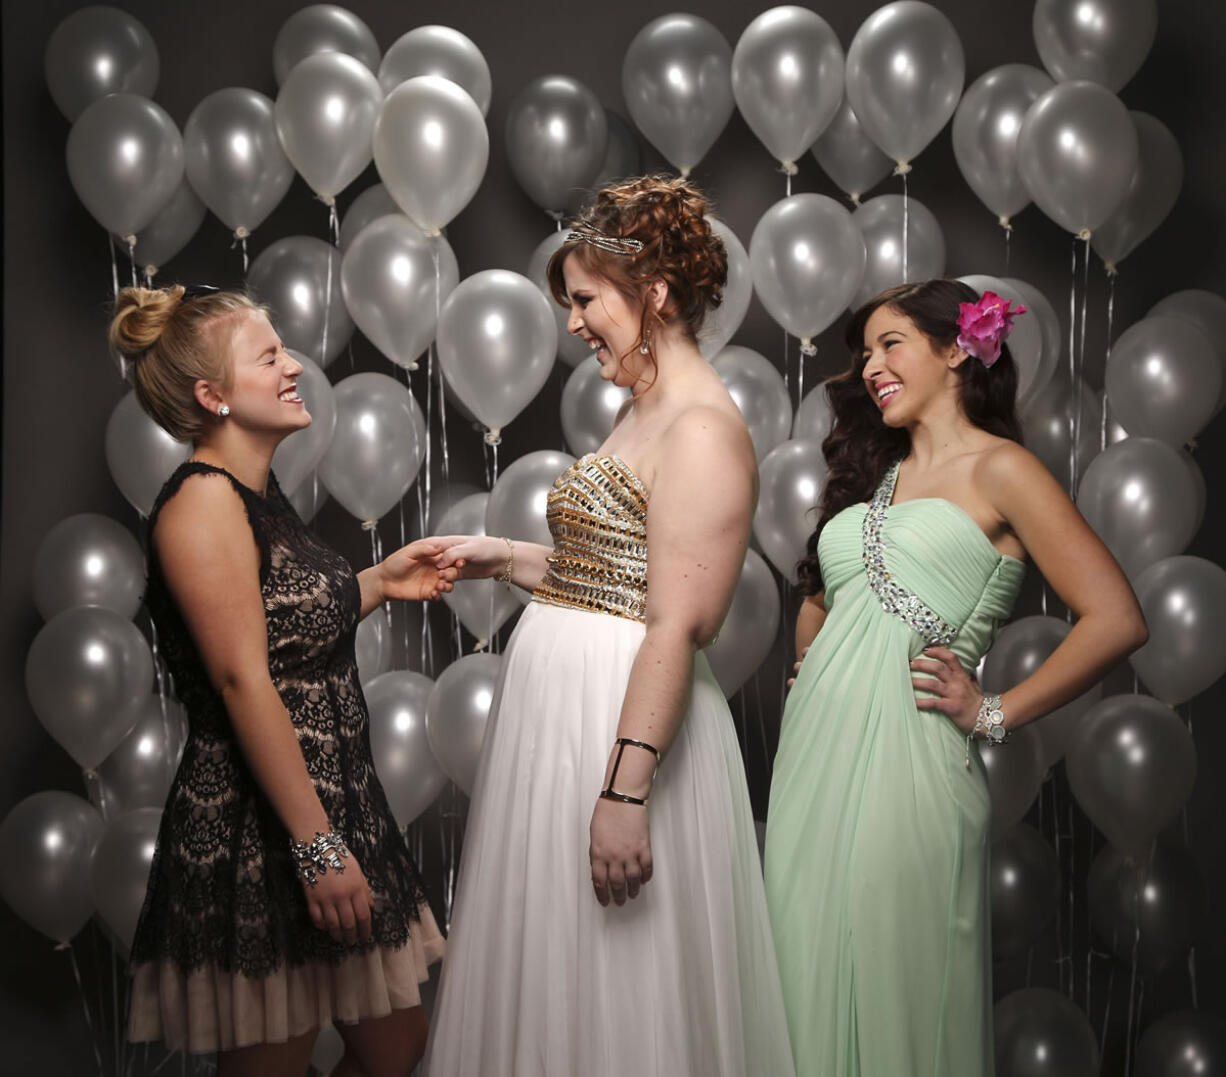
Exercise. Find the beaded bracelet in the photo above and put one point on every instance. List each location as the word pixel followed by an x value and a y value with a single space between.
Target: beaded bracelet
pixel 321 854
pixel 505 575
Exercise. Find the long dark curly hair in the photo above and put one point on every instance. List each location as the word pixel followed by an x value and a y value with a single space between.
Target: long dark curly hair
pixel 860 447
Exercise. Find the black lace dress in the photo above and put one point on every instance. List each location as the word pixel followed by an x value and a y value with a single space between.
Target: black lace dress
pixel 225 953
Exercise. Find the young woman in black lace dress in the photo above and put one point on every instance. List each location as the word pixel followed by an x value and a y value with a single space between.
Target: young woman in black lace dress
pixel 282 895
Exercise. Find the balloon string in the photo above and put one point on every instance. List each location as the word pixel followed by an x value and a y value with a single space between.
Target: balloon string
pixel 1136 945
pixel 1058 841
pixel 132 260
pixel 243 247
pixel 1078 381
pixel 1111 275
pixel 1069 894
pixel 1192 978
pixel 1110 992
pixel 1008 245
pixel 1072 370
pixel 114 266
pixel 442 396
pixel 760 711
pixel 787 377
pixel 906 205
pixel 403 541
pixel 89 1021
pixel 334 229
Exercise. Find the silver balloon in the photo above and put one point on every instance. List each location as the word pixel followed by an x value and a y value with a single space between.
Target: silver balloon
pixel 1077 153
pixel 1040 1033
pixel 892 258
pixel 1024 882
pixel 87 673
pixel 808 258
pixel 1026 340
pixel 849 157
pixel 677 82
pixel 97 51
pixel 1163 379
pixel 325 115
pixel 483 606
pixel 623 158
pixel 905 71
pixel 125 161
pixel 1187 1043
pixel 1184 602
pixel 234 158
pixel 138 773
pixel 404 762
pixel 787 79
pixel 985 131
pixel 1038 307
pixel 722 322
pixel 1014 777
pixel 88 560
pixel 1046 432
pixel 372 645
pixel 140 455
pixel 441 51
pixel 394 279
pixel 322 28
pixel 556 139
pixel 1150 911
pixel 496 344
pixel 370 205
pixel 589 408
pixel 572 350
pixel 457 713
pixel 814 419
pixel 1151 195
pixel 377 446
pixel 1206 310
pixel 757 388
pixel 1131 765
pixel 1140 499
pixel 1020 648
pixel 119 875
pixel 791 480
pixel 1105 41
pixel 292 276
pixel 299 454
pixel 431 148
pixel 49 841
pixel 309 498
pixel 328 1050
pixel 749 629
pixel 169 231
pixel 516 507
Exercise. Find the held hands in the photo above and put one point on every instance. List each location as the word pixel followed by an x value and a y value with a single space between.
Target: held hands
pixel 413 573
pixel 472 557
pixel 956 693
pixel 340 902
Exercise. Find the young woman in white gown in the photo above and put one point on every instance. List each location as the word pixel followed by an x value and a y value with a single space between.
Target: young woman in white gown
pixel 611 919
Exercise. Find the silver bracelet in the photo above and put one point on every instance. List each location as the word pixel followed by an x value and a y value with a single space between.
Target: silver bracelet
pixel 505 575
pixel 324 852
pixel 989 725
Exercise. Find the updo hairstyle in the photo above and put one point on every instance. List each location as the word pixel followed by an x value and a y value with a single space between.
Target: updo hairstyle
pixel 172 343
pixel 669 217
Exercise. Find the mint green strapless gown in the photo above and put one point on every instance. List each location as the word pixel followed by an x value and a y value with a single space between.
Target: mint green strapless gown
pixel 877 832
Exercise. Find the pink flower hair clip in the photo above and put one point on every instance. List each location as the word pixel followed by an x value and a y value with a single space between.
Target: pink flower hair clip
pixel 985 325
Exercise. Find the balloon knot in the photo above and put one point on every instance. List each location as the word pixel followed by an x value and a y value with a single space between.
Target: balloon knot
pixel 151 271
pixel 854 198
pixel 241 232
pixel 493 435
pixel 902 168
pixel 369 525
pixel 62 946
pixel 789 168
pixel 555 215
pixel 685 173
pixel 1004 222
pixel 89 774
pixel 327 199
pixel 1084 234
pixel 433 233
pixel 480 645
pixel 807 347
pixel 414 365
pixel 130 240
pixel 1112 270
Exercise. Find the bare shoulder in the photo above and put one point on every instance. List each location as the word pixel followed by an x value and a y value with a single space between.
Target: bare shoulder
pixel 1005 465
pixel 709 429
pixel 204 512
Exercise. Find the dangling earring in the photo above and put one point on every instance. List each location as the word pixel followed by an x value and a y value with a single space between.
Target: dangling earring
pixel 645 347
pixel 223 411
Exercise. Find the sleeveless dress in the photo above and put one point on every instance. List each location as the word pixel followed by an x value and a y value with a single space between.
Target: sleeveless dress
pixel 877 832
pixel 540 980
pixel 225 953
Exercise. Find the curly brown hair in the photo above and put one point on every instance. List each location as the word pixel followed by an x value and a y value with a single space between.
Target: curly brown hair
pixel 860 447
pixel 669 216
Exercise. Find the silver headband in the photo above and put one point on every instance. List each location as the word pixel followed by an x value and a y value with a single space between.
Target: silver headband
pixel 613 244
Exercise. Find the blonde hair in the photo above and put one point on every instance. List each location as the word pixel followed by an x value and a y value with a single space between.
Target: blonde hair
pixel 173 343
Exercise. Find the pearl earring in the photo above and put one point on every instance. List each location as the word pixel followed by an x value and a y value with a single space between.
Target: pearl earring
pixel 645 347
pixel 223 411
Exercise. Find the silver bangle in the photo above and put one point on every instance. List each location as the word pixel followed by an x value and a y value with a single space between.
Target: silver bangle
pixel 323 853
pixel 505 575
pixel 989 725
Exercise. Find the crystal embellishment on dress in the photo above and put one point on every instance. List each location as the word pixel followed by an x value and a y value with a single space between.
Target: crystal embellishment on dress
pixel 895 598
pixel 597 513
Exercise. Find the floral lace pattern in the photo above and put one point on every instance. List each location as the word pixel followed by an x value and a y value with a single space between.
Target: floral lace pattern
pixel 222 891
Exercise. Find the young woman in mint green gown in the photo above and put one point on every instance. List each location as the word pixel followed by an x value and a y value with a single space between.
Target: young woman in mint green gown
pixel 877 833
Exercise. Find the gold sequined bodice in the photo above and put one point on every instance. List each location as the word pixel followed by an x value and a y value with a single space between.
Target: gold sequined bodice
pixel 597 514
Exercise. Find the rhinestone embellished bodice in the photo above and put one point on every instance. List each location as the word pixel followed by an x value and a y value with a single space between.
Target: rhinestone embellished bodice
pixel 597 514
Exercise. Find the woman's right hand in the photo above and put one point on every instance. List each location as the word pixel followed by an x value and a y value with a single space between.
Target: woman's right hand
pixel 476 557
pixel 800 661
pixel 340 902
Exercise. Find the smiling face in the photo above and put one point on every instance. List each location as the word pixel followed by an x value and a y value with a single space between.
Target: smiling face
pixel 262 389
pixel 610 324
pixel 903 373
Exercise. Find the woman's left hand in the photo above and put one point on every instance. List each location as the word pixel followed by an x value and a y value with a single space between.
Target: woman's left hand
pixel 955 692
pixel 409 574
pixel 620 850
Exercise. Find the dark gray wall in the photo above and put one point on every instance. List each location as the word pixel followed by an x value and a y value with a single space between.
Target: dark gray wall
pixel 59 385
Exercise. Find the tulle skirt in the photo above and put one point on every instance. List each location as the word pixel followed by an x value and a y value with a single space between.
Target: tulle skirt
pixel 540 980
